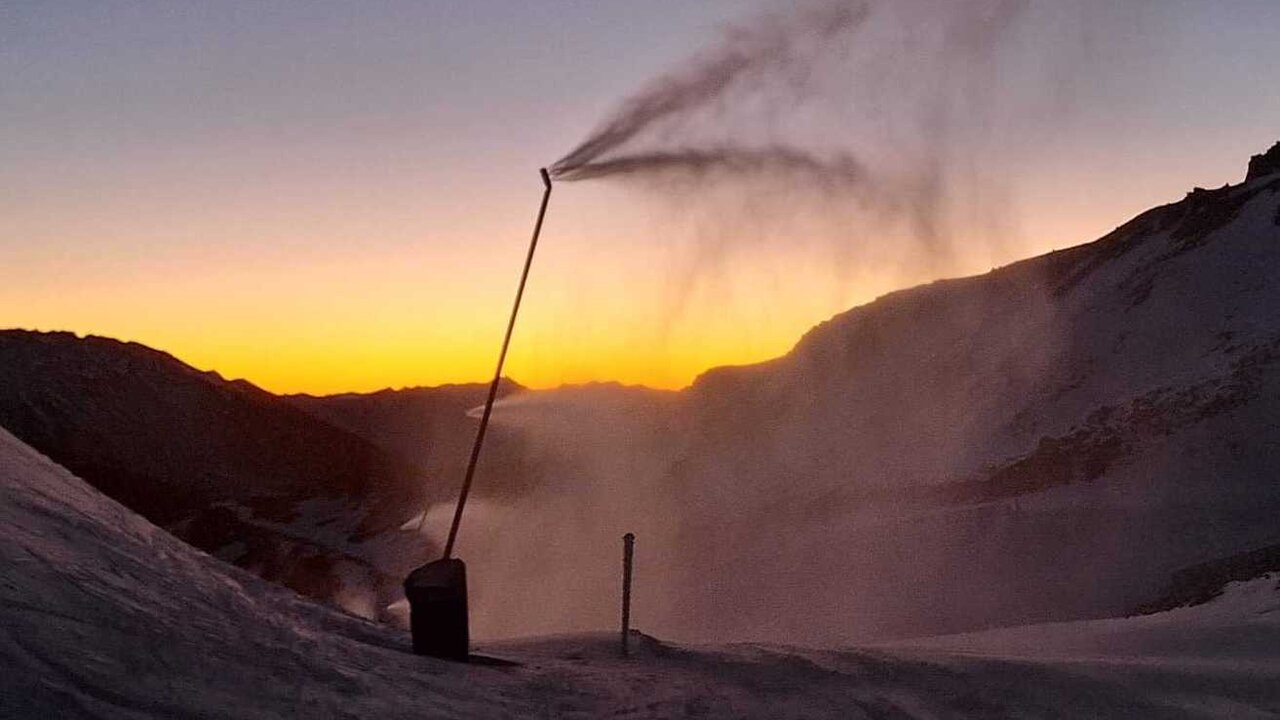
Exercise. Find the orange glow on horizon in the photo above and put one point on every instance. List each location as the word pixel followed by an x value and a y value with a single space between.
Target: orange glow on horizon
pixel 405 317
pixel 306 302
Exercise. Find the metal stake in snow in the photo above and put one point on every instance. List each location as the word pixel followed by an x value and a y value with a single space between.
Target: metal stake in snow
pixel 628 555
pixel 497 374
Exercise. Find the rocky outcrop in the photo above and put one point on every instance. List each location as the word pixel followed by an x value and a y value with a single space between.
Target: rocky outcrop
pixel 1265 164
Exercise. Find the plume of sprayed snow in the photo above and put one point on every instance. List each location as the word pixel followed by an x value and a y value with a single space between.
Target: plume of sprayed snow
pixel 779 66
pixel 861 123
pixel 840 169
pixel 770 58
pixel 853 119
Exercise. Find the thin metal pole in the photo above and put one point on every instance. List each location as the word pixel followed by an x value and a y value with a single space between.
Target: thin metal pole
pixel 497 374
pixel 628 555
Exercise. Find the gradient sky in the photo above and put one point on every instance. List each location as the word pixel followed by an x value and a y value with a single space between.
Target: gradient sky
pixel 325 196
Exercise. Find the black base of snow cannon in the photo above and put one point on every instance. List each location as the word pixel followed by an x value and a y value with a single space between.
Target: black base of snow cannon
pixel 437 594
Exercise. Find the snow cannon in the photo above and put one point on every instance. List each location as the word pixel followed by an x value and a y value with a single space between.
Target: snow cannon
pixel 437 591
pixel 437 594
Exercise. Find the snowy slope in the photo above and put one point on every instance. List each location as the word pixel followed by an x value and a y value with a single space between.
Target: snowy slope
pixel 1237 628
pixel 1051 440
pixel 105 615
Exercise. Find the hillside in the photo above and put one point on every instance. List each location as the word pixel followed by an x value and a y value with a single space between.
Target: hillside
pixel 428 427
pixel 224 465
pixel 107 616
pixel 412 422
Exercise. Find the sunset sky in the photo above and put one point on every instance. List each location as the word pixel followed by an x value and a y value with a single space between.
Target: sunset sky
pixel 332 196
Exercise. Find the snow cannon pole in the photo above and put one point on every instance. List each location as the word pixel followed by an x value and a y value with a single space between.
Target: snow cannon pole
pixel 437 592
pixel 628 558
pixel 497 375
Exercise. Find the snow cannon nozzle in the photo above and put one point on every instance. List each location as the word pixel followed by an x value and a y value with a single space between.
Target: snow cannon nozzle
pixel 546 177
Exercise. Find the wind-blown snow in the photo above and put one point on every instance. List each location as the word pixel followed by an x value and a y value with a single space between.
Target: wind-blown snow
pixel 105 615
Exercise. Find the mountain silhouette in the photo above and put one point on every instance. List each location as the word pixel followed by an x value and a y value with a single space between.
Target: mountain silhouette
pixel 226 466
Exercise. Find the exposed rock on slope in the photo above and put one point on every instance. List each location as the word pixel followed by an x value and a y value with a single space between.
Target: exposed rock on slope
pixel 1267 163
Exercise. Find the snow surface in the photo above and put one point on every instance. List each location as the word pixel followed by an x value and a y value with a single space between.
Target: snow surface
pixel 105 615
